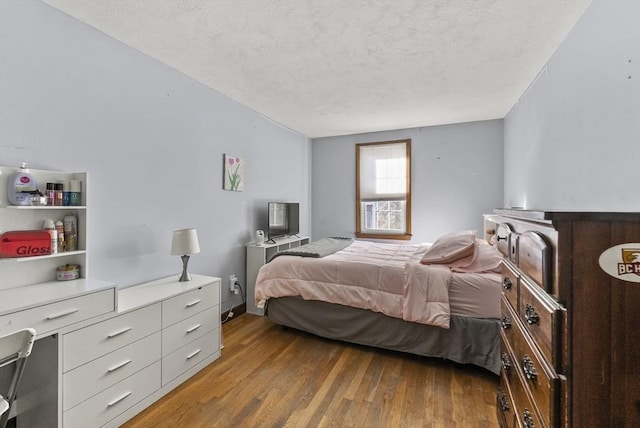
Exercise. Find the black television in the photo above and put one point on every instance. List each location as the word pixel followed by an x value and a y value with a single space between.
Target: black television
pixel 284 219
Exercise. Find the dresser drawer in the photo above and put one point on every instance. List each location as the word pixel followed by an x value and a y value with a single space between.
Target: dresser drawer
pixel 111 402
pixel 508 368
pixel 507 409
pixel 508 319
pixel 538 378
pixel 185 305
pixel 91 378
pixel 503 236
pixel 534 258
pixel 510 284
pixel 173 365
pixel 542 317
pixel 54 316
pixel 526 415
pixel 99 339
pixel 180 334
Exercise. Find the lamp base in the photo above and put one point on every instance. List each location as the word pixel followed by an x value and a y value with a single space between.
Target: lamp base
pixel 185 275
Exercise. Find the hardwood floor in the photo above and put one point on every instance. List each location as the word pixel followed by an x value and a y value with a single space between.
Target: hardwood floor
pixel 269 376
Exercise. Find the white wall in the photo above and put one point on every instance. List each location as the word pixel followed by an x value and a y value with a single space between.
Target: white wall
pixel 573 140
pixel 152 141
pixel 456 177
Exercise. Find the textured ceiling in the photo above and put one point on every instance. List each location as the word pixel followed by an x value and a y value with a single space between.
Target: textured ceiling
pixel 329 67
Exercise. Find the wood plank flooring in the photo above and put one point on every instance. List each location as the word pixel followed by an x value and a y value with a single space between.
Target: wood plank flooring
pixel 269 376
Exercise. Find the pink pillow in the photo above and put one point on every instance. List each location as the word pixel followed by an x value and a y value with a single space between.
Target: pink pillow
pixel 451 247
pixel 486 258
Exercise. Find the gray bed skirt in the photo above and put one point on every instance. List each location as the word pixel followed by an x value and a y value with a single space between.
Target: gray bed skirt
pixel 467 341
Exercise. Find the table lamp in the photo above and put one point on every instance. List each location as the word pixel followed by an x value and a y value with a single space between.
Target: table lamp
pixel 185 243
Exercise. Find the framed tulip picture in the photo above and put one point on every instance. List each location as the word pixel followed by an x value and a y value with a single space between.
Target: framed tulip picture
pixel 233 173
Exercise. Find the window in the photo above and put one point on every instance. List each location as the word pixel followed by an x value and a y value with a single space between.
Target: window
pixel 383 190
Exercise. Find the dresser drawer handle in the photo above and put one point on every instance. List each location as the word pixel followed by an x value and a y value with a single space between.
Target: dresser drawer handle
pixel 504 403
pixel 193 354
pixel 506 322
pixel 195 302
pixel 528 419
pixel 118 366
pixel 62 314
pixel 501 238
pixel 119 399
pixel 506 361
pixel 194 328
pixel 118 333
pixel 506 283
pixel 529 369
pixel 530 314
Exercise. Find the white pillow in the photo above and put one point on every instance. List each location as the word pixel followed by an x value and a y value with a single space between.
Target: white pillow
pixel 486 258
pixel 451 247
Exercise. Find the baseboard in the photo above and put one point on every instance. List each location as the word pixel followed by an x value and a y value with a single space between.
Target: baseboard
pixel 237 310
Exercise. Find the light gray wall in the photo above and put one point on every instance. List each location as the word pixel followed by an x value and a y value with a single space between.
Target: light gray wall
pixel 152 141
pixel 456 177
pixel 573 140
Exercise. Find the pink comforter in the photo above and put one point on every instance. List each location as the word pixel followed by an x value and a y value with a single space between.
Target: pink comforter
pixel 384 278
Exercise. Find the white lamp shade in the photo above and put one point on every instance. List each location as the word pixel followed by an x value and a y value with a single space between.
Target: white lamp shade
pixel 185 241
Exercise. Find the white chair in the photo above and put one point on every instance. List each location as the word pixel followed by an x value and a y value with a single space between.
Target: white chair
pixel 14 348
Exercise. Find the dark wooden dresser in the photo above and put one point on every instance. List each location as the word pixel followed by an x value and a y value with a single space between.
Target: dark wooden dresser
pixel 570 319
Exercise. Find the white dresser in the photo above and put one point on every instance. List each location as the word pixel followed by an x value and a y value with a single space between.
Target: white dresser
pixel 108 353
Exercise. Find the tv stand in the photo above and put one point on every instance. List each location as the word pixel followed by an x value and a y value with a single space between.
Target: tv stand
pixel 259 255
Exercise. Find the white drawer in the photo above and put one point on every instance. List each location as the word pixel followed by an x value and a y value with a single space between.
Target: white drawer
pixel 111 402
pixel 99 339
pixel 187 304
pixel 185 331
pixel 89 379
pixel 54 316
pixel 188 356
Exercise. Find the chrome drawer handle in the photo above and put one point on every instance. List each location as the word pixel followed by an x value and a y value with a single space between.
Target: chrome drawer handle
pixel 119 399
pixel 62 314
pixel 194 328
pixel 529 369
pixel 119 366
pixel 530 314
pixel 195 302
pixel 506 322
pixel 506 283
pixel 118 333
pixel 528 419
pixel 193 354
pixel 504 403
pixel 506 361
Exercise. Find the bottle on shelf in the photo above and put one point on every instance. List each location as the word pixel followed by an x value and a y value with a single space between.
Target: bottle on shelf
pixel 50 227
pixel 60 233
pixel 21 186
pixel 51 194
pixel 71 232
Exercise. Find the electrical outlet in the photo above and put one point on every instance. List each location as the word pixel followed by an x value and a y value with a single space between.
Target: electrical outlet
pixel 232 282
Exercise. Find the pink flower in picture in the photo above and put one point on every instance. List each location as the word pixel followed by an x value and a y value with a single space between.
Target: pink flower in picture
pixel 233 173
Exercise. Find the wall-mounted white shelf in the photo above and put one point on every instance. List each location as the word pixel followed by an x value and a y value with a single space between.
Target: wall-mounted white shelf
pixel 45 207
pixel 48 256
pixel 21 271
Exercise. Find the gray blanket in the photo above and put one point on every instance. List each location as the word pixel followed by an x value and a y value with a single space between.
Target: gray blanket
pixel 320 248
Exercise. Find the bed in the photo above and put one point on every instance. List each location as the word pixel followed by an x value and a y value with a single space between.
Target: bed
pixel 438 300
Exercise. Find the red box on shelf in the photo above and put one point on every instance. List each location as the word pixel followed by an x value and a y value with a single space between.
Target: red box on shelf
pixel 25 243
